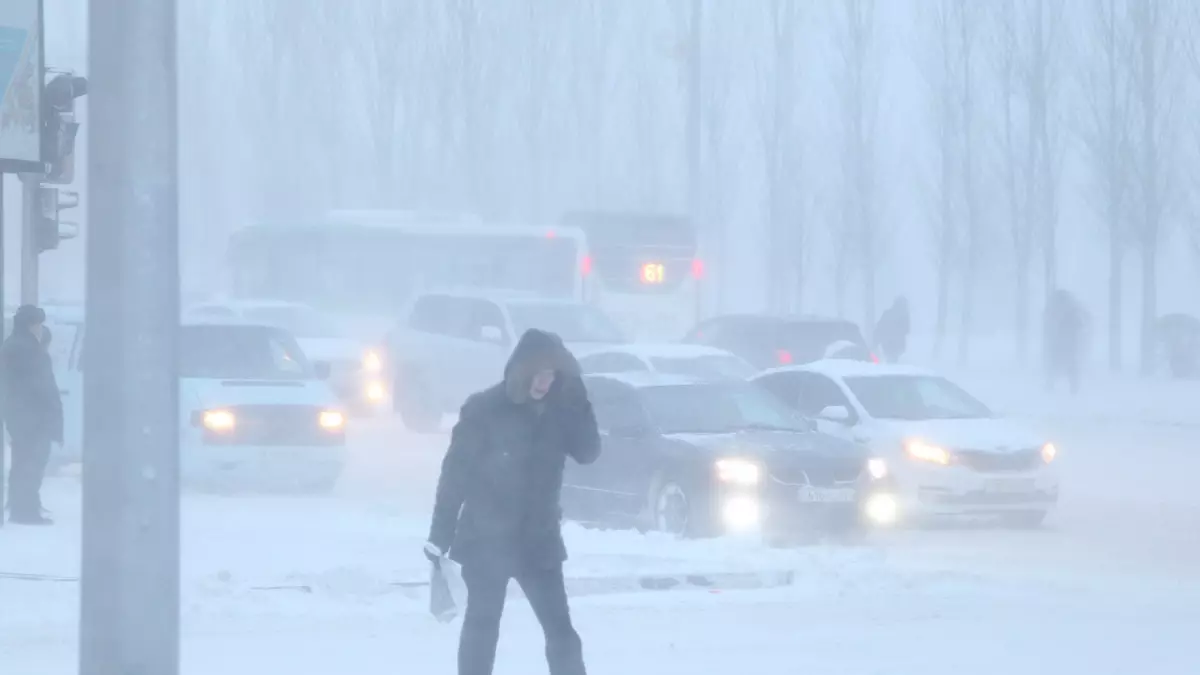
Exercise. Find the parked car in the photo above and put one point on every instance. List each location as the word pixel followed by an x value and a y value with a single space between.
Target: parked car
pixel 947 453
pixel 356 369
pixel 452 344
pixel 254 413
pixel 700 458
pixel 669 359
pixel 768 341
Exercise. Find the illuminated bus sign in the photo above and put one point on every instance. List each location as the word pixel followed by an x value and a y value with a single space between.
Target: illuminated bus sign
pixel 653 273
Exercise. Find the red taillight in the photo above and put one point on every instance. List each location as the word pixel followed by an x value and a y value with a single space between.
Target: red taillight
pixel 697 268
pixel 783 356
pixel 550 234
pixel 585 265
pixel 874 358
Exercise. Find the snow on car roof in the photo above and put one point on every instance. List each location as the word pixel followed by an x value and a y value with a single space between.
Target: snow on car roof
pixel 648 350
pixel 839 368
pixel 248 303
pixel 641 379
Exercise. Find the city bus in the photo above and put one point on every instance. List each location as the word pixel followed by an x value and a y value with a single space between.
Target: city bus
pixel 371 263
pixel 642 270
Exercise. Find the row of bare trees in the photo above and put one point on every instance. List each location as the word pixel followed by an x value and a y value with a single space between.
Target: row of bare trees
pixel 519 109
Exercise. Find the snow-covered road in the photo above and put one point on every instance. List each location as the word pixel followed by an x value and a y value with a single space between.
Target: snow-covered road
pixel 309 585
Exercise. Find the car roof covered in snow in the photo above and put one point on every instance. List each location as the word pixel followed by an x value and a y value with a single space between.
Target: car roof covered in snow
pixel 642 379
pixel 839 368
pixel 497 295
pixel 778 318
pixel 248 303
pixel 648 350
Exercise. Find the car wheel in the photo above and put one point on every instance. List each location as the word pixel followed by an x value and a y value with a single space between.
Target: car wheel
pixel 1024 520
pixel 675 510
pixel 416 406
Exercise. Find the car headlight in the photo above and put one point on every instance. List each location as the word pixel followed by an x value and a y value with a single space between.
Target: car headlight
pixel 1049 452
pixel 372 362
pixel 332 420
pixel 881 509
pixel 375 391
pixel 927 452
pixel 738 471
pixel 877 468
pixel 221 421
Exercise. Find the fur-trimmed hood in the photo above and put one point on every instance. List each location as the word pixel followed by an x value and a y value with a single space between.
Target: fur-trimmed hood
pixel 536 350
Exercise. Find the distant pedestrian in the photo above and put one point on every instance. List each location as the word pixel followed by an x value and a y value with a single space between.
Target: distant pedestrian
pixel 1064 325
pixel 497 511
pixel 1179 338
pixel 891 332
pixel 33 412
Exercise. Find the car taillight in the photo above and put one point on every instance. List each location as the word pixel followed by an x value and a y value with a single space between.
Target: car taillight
pixel 585 265
pixel 874 358
pixel 697 268
pixel 783 356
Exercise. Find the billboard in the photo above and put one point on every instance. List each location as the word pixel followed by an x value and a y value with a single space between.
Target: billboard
pixel 21 66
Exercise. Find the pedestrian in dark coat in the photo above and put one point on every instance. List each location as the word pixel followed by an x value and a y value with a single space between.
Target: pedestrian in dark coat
pixel 497 511
pixel 1064 331
pixel 891 332
pixel 33 412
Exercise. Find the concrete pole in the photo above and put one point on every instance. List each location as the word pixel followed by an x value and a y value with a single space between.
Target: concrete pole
pixel 129 614
pixel 30 273
pixel 3 314
pixel 696 217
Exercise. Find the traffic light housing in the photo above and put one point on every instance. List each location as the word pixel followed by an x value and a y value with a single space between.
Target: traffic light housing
pixel 59 127
pixel 48 227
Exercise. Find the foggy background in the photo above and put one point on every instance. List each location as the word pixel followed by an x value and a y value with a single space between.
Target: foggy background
pixel 967 154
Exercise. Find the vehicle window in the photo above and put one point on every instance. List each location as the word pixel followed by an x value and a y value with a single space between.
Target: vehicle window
pixel 717 408
pixel 785 386
pixel 481 314
pixel 240 352
pixel 915 397
pixel 708 366
pixel 817 392
pixel 302 322
pixel 572 323
pixel 615 406
pixel 806 341
pixel 611 363
pixel 442 315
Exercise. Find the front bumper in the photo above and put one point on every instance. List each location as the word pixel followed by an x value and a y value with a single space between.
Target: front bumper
pixel 961 491
pixel 260 468
pixel 784 509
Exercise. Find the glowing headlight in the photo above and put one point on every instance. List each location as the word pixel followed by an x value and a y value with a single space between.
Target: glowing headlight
pixel 375 392
pixel 372 362
pixel 332 420
pixel 877 468
pixel 219 420
pixel 738 471
pixel 925 452
pixel 1049 452
pixel 881 509
pixel 741 513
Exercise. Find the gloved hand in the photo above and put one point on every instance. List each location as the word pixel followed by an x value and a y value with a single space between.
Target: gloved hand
pixel 433 553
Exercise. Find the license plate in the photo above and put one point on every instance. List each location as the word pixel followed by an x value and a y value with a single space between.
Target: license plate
pixel 826 495
pixel 1010 486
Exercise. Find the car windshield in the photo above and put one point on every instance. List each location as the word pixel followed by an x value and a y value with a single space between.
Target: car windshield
pixel 303 322
pixel 707 366
pixel 240 352
pixel 717 408
pixel 572 323
pixel 915 397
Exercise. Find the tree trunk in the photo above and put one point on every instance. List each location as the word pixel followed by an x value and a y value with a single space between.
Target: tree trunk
pixel 1022 305
pixel 1149 302
pixel 1115 288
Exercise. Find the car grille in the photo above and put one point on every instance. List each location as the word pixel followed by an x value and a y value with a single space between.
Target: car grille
pixel 998 462
pixel 817 471
pixel 274 424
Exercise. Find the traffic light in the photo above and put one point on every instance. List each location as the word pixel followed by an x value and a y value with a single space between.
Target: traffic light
pixel 49 228
pixel 59 126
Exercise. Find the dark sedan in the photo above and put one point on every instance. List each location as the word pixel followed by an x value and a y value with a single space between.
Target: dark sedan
pixel 700 459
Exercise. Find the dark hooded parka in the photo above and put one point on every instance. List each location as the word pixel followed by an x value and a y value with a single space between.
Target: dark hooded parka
pixel 498 498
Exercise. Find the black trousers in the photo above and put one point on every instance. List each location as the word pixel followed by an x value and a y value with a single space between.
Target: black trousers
pixel 29 459
pixel 547 594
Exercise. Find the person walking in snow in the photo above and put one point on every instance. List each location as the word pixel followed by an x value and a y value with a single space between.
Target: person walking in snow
pixel 497 510
pixel 1063 326
pixel 891 331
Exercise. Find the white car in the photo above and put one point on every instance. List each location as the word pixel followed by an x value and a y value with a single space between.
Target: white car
pixel 946 453
pixel 253 412
pixel 356 369
pixel 668 359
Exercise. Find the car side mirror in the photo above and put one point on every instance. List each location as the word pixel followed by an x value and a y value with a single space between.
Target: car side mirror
pixel 322 369
pixel 491 334
pixel 836 413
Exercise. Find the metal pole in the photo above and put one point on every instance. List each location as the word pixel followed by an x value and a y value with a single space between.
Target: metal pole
pixel 693 131
pixel 3 312
pixel 30 274
pixel 129 614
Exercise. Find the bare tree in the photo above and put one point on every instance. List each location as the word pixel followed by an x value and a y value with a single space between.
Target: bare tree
pixel 717 159
pixel 858 91
pixel 965 14
pixel 1155 51
pixel 780 152
pixel 1104 132
pixel 937 50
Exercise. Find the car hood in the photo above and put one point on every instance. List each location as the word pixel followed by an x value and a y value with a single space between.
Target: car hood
pixel 988 434
pixel 765 444
pixel 207 393
pixel 330 349
pixel 580 349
